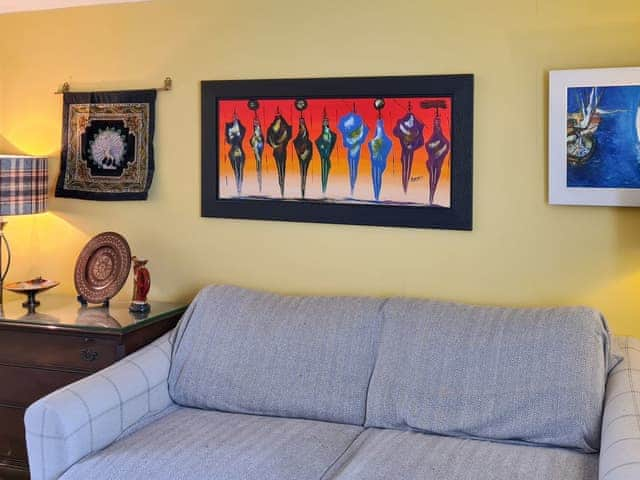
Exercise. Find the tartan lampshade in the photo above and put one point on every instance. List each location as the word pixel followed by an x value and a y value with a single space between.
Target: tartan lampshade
pixel 23 185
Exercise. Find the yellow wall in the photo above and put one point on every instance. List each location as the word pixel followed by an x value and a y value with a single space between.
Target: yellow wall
pixel 522 251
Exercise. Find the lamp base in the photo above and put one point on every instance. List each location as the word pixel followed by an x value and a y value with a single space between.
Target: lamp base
pixel 3 270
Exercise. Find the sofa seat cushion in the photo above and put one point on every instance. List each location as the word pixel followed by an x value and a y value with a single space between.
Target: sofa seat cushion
pixel 198 444
pixel 244 351
pixel 529 375
pixel 392 454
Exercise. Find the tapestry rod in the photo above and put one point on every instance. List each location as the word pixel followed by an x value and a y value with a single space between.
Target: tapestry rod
pixel 168 85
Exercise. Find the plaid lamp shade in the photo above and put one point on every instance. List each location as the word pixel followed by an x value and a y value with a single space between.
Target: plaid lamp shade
pixel 23 185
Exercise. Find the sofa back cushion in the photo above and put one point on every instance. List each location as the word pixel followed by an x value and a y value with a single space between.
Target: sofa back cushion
pixel 243 351
pixel 516 375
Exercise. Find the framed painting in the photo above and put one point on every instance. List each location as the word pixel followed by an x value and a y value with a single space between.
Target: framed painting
pixel 390 151
pixel 594 137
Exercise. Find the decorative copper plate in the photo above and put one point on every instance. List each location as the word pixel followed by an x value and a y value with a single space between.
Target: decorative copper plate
pixel 102 267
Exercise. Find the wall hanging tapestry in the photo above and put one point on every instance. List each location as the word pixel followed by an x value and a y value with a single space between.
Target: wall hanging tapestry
pixel 393 151
pixel 107 145
pixel 594 137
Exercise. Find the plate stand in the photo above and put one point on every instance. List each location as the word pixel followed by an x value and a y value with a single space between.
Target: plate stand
pixel 84 303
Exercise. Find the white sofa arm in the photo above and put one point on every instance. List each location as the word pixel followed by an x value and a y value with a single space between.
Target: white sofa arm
pixel 620 444
pixel 88 415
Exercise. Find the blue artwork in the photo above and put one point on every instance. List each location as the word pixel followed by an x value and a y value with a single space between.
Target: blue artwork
pixel 603 137
pixel 379 148
pixel 354 132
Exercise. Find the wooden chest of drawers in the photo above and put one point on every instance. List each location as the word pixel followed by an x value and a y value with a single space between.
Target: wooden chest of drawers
pixel 58 345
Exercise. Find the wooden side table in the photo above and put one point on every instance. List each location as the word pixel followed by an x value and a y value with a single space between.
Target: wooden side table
pixel 59 344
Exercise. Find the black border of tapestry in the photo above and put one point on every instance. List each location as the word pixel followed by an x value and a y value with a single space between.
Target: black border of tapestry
pixel 107 145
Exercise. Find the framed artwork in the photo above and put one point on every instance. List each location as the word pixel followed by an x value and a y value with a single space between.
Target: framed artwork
pixel 392 151
pixel 594 137
pixel 107 145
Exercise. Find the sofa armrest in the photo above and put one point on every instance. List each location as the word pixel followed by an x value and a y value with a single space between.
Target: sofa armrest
pixel 620 444
pixel 88 415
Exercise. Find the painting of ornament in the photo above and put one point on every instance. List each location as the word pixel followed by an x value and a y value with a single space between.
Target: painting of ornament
pixel 383 151
pixel 595 137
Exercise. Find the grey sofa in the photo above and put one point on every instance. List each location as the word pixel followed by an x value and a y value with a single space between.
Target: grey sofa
pixel 253 385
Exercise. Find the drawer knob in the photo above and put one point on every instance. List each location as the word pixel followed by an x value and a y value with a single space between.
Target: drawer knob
pixel 88 355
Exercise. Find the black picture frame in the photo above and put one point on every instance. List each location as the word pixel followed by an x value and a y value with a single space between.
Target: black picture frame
pixel 456 217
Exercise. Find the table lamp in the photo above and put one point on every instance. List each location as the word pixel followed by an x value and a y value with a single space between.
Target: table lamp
pixel 23 191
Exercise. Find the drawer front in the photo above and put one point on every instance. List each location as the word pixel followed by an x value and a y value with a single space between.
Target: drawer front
pixel 9 471
pixel 24 385
pixel 53 349
pixel 12 443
